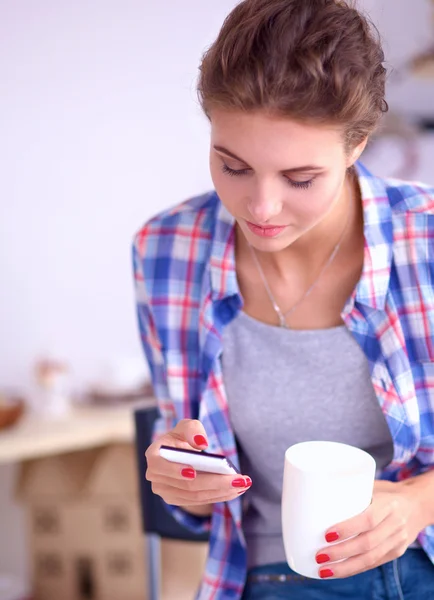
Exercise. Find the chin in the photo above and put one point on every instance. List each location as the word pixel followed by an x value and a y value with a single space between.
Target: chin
pixel 276 244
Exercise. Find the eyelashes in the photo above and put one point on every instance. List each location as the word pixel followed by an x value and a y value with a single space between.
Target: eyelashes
pixel 303 185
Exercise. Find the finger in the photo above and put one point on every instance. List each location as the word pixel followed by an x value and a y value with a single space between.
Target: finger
pixel 191 431
pixel 225 498
pixel 361 544
pixel 382 485
pixel 179 497
pixel 388 550
pixel 188 434
pixel 158 464
pixel 217 499
pixel 182 436
pixel 160 468
pixel 188 478
pixel 368 520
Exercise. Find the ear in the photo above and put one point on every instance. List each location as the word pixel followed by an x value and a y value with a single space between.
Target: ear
pixel 356 152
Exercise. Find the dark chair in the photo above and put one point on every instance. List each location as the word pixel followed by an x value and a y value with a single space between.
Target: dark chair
pixel 157 522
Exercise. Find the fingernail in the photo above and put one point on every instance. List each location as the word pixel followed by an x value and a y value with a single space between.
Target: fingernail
pixel 188 473
pixel 322 558
pixel 248 481
pixel 324 573
pixel 332 537
pixel 200 440
pixel 239 483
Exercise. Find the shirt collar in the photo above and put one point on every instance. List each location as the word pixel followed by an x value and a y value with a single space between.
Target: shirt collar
pixel 372 287
pixel 373 284
pixel 222 259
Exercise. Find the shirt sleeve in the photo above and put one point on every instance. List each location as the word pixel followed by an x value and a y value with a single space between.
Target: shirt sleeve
pixel 155 358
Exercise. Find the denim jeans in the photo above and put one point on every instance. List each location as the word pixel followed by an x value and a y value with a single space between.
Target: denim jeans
pixel 410 577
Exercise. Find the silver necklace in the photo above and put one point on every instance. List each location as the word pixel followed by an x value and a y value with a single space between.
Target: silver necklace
pixel 284 315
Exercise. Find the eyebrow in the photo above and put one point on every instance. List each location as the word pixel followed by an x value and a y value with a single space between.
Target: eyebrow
pixel 301 169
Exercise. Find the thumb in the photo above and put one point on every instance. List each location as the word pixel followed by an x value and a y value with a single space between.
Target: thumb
pixel 193 432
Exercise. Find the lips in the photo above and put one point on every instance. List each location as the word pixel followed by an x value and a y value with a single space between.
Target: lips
pixel 269 231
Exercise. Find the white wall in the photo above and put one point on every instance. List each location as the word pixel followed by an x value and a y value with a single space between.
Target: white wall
pixel 99 130
pixel 406 27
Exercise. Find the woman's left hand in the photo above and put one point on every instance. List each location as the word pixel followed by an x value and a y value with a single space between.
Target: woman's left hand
pixel 380 534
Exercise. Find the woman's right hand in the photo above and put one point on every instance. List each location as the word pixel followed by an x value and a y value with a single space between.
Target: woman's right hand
pixel 181 485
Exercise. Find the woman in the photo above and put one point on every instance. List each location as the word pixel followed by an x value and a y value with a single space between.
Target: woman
pixel 295 302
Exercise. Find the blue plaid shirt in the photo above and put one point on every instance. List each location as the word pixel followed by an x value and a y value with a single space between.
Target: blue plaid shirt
pixel 187 291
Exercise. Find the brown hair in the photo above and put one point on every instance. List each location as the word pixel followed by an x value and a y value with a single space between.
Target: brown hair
pixel 311 60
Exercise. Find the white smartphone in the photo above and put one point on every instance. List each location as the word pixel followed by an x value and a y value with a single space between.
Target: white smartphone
pixel 204 462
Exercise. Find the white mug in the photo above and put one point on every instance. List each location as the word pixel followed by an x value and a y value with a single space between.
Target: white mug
pixel 324 483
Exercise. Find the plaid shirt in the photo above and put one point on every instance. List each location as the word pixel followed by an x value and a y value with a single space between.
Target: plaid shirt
pixel 187 292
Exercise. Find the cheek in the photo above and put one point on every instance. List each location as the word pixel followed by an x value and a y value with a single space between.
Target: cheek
pixel 217 176
pixel 229 189
pixel 312 205
pixel 216 170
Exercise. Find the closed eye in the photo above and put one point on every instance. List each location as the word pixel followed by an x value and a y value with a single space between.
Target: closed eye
pixel 295 184
pixel 304 185
pixel 234 172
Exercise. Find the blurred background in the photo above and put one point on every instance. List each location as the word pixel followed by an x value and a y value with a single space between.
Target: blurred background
pixel 100 129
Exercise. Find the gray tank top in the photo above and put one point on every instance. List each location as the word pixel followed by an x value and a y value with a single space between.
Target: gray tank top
pixel 286 386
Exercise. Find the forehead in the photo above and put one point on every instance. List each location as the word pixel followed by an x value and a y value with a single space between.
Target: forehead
pixel 262 137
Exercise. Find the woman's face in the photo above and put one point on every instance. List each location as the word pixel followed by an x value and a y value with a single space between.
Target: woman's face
pixel 278 178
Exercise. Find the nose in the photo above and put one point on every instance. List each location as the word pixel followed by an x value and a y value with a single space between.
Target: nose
pixel 264 205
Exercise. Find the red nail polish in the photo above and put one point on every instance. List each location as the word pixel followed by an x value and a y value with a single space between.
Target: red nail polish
pixel 324 573
pixel 188 473
pixel 239 483
pixel 332 537
pixel 248 481
pixel 200 440
pixel 322 558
